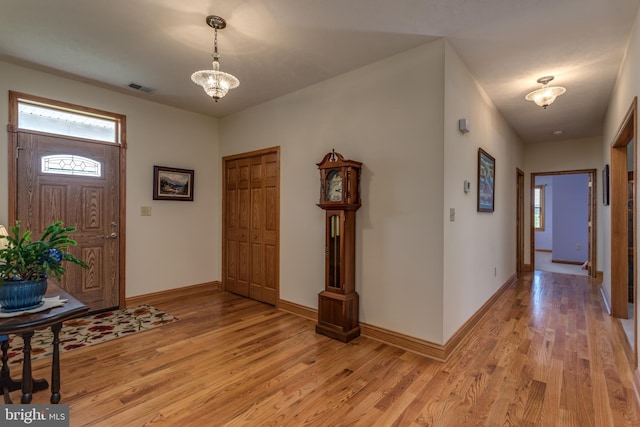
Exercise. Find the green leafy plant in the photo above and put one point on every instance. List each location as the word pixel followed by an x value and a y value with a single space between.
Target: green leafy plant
pixel 24 259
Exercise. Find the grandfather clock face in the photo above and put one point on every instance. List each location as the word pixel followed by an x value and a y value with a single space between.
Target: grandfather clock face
pixel 334 186
pixel 340 182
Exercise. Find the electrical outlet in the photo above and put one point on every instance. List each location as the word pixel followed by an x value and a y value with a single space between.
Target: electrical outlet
pixel 145 210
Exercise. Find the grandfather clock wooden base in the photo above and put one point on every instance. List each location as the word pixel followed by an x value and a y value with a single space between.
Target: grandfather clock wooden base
pixel 338 315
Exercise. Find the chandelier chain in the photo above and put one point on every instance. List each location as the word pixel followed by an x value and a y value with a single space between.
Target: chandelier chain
pixel 215 55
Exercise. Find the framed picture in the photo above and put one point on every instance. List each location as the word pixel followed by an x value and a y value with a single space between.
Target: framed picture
pixel 605 185
pixel 172 183
pixel 486 181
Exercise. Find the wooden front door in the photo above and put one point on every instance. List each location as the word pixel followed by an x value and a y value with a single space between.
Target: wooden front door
pixel 76 182
pixel 251 220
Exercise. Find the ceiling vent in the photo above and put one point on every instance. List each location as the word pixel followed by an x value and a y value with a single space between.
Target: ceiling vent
pixel 141 88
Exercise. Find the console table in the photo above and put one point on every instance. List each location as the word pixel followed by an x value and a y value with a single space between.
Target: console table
pixel 25 325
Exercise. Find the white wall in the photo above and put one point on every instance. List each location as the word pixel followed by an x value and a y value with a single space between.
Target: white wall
pixel 389 116
pixel 179 244
pixel 415 162
pixel 563 155
pixel 479 247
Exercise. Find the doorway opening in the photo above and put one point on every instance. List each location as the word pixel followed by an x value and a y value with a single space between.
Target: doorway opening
pixel 563 235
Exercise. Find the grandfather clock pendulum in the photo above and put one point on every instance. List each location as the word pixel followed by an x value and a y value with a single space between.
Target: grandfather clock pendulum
pixel 340 198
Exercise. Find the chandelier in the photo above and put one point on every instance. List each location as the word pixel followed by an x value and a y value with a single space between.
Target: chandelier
pixel 215 82
pixel 545 95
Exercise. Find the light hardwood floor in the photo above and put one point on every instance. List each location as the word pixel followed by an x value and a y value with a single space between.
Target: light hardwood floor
pixel 547 355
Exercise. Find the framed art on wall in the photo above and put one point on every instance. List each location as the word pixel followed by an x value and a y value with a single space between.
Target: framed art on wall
pixel 172 183
pixel 486 181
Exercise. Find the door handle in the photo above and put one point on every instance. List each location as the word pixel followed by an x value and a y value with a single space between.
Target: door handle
pixel 111 236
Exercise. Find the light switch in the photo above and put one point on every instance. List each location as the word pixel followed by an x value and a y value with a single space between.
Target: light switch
pixel 145 210
pixel 452 214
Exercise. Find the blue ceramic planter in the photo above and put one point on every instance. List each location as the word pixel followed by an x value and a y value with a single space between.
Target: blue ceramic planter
pixel 22 295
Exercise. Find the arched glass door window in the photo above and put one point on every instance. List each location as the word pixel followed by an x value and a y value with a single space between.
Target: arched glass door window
pixel 67 164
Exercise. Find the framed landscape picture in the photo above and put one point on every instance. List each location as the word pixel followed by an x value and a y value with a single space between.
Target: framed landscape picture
pixel 486 181
pixel 172 183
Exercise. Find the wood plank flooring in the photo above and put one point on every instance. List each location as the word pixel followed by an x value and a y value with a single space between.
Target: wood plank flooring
pixel 547 355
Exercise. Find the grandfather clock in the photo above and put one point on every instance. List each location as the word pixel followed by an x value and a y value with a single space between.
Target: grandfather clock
pixel 340 198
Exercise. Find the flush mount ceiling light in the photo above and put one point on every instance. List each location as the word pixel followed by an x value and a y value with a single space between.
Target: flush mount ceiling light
pixel 215 82
pixel 545 95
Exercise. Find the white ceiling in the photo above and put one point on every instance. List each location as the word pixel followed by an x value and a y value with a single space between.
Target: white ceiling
pixel 278 46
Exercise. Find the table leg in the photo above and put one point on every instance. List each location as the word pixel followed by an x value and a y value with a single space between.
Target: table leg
pixel 29 385
pixel 7 385
pixel 55 366
pixel 27 381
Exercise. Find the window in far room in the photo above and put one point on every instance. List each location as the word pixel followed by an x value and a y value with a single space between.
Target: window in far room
pixel 538 208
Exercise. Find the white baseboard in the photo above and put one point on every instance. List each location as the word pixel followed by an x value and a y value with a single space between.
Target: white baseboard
pixel 607 306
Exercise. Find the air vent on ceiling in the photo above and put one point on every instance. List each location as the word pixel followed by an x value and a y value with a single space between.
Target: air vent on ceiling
pixel 141 88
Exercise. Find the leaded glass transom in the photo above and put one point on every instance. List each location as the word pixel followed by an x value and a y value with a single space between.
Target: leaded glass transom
pixel 68 164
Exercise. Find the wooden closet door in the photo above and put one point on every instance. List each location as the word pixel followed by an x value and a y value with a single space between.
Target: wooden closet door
pixel 236 275
pixel 264 253
pixel 251 240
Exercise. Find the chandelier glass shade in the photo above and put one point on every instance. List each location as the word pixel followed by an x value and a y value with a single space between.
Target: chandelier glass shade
pixel 215 83
pixel 545 96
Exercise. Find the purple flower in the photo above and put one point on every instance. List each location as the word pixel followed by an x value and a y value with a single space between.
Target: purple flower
pixel 53 256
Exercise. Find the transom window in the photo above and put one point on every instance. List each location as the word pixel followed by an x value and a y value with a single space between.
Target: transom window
pixel 60 121
pixel 538 208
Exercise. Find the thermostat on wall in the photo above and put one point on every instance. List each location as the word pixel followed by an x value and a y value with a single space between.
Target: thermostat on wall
pixel 463 125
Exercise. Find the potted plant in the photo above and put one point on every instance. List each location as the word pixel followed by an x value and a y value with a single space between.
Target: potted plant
pixel 25 265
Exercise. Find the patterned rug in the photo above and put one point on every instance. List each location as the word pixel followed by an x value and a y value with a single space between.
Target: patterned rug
pixel 90 330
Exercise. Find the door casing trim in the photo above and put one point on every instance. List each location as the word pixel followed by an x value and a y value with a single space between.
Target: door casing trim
pixel 627 134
